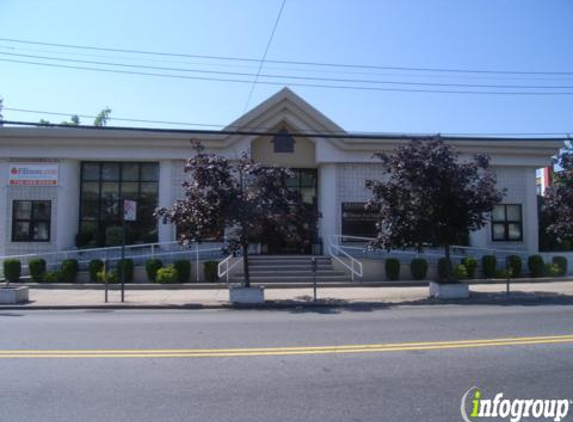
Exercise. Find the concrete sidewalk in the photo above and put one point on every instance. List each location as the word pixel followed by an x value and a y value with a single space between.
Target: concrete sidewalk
pixel 560 291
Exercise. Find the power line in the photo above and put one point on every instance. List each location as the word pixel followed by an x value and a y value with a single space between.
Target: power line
pixel 262 62
pixel 308 78
pixel 296 84
pixel 304 134
pixel 291 62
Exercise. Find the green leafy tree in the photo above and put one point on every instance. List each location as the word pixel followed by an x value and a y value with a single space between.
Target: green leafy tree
pixel 102 117
pixel 558 206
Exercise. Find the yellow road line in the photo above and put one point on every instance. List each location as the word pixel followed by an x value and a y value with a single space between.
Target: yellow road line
pixel 285 351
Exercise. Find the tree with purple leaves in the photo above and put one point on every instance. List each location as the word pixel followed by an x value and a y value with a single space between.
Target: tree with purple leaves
pixel 243 196
pixel 428 196
pixel 558 205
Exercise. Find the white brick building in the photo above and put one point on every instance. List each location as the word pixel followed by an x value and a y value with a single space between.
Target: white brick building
pixel 95 167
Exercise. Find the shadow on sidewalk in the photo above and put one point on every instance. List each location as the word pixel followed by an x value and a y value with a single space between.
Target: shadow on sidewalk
pixel 331 306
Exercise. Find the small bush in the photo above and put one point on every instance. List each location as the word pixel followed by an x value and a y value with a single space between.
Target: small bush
pixel 551 270
pixel 513 262
pixel 503 273
pixel 52 276
pixel 536 266
pixel 37 269
pixel 12 270
pixel 109 276
pixel 69 270
pixel 561 262
pixel 444 268
pixel 460 272
pixel 183 267
pixel 471 266
pixel 392 268
pixel 125 266
pixel 113 236
pixel 488 265
pixel 167 275
pixel 210 268
pixel 95 266
pixel 151 267
pixel 419 268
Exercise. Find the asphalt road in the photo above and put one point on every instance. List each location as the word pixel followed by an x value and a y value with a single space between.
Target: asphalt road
pixel 294 382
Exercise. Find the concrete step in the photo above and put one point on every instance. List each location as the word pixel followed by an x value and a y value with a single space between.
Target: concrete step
pixel 306 273
pixel 297 267
pixel 279 261
pixel 287 279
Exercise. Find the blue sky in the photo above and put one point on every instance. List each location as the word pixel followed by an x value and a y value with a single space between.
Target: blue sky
pixel 509 35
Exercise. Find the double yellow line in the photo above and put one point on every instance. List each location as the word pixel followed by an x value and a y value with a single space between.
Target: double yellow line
pixel 283 351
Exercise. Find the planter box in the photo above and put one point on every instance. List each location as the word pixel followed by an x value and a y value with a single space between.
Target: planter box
pixel 449 291
pixel 13 295
pixel 247 295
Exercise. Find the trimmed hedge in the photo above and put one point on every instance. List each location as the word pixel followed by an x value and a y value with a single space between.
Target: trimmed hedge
pixel 125 266
pixel 419 268
pixel 561 262
pixel 95 266
pixel 52 276
pixel 392 269
pixel 488 266
pixel 183 267
pixel 210 268
pixel 471 266
pixel 444 268
pixel 513 262
pixel 167 275
pixel 536 266
pixel 12 270
pixel 69 270
pixel 460 272
pixel 151 268
pixel 37 268
pixel 551 270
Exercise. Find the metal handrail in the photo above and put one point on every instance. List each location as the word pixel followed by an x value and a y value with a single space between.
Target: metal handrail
pixel 228 268
pixel 332 245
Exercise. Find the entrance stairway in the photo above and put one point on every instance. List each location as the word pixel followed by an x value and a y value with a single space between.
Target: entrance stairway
pixel 290 268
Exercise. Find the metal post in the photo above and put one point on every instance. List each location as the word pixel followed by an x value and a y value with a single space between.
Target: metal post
pixel 105 278
pixel 313 267
pixel 197 261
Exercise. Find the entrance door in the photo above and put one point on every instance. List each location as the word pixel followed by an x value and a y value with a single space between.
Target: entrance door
pixel 303 181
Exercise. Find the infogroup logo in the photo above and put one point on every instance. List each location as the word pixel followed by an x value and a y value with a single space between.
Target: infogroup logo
pixel 512 409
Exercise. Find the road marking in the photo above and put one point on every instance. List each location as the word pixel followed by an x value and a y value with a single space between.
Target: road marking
pixel 284 351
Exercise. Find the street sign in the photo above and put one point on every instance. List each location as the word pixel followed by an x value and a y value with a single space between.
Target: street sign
pixel 129 210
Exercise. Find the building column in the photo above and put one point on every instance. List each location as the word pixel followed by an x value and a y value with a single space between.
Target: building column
pixel 68 204
pixel 530 214
pixel 165 231
pixel 327 202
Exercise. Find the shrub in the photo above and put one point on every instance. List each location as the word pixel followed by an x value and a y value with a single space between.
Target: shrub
pixel 37 269
pixel 12 270
pixel 471 266
pixel 444 268
pixel 551 270
pixel 183 267
pixel 536 266
pixel 167 274
pixel 151 267
pixel 113 236
pixel 561 262
pixel 125 266
pixel 52 276
pixel 502 273
pixel 95 266
pixel 210 268
pixel 69 270
pixel 392 268
pixel 488 265
pixel 108 276
pixel 513 262
pixel 460 272
pixel 419 268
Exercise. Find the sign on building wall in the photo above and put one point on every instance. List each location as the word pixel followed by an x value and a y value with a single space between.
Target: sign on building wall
pixel 33 174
